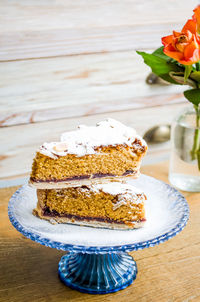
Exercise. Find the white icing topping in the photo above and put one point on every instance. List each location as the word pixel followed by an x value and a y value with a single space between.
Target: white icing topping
pixel 115 188
pixel 85 139
pixel 123 191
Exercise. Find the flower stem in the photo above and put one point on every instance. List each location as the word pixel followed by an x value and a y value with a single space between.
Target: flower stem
pixel 195 152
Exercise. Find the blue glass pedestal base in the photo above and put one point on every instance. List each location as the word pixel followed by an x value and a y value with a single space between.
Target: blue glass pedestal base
pixel 97 273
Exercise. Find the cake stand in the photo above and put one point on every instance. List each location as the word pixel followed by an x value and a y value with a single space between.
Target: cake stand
pixel 97 261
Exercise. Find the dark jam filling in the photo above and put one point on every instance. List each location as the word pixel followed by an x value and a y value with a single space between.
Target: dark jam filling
pixel 97 175
pixel 48 213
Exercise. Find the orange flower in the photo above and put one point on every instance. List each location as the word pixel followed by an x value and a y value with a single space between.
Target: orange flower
pixel 196 17
pixel 183 46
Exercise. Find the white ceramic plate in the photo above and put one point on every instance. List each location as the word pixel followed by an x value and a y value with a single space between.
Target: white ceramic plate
pixel 166 211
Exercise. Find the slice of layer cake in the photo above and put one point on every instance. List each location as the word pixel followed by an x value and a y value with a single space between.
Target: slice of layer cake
pixel 112 205
pixel 110 149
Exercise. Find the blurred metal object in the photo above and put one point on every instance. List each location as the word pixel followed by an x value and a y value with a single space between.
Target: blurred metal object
pixel 153 79
pixel 158 134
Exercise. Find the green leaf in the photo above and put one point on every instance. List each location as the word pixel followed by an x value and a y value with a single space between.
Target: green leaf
pixel 159 53
pixel 193 96
pixel 179 78
pixel 195 75
pixel 160 66
pixel 197 66
pixel 167 78
pixel 188 69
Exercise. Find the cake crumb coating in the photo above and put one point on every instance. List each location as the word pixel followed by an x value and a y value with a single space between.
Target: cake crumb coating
pixel 111 160
pixel 93 203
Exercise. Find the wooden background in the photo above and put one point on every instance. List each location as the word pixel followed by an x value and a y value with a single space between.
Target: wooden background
pixel 69 62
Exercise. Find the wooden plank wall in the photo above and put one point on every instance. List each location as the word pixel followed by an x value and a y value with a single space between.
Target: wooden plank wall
pixel 65 62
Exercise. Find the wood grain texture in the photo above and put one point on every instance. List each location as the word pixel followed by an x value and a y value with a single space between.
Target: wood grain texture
pixel 47 89
pixel 56 79
pixel 19 143
pixel 54 28
pixel 167 273
pixel 65 42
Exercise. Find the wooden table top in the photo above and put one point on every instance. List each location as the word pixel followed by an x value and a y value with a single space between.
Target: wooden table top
pixel 169 272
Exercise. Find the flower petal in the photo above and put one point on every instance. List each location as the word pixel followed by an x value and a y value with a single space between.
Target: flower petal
pixel 192 53
pixel 190 25
pixel 184 46
pixel 167 40
pixel 170 52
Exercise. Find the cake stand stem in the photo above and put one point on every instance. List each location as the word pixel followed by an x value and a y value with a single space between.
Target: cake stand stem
pixel 97 273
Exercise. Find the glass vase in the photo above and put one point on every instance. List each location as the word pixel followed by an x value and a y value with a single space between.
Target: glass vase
pixel 184 169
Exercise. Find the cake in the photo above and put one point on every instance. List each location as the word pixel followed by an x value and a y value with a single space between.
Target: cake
pixel 89 155
pixel 80 179
pixel 111 205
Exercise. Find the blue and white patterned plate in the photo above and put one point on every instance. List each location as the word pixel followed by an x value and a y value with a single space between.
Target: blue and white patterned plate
pixel 166 209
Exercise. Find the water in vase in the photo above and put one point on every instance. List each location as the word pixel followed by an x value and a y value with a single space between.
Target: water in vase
pixel 184 172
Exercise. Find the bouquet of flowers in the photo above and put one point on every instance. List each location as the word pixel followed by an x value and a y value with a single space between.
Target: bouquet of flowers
pixel 178 62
